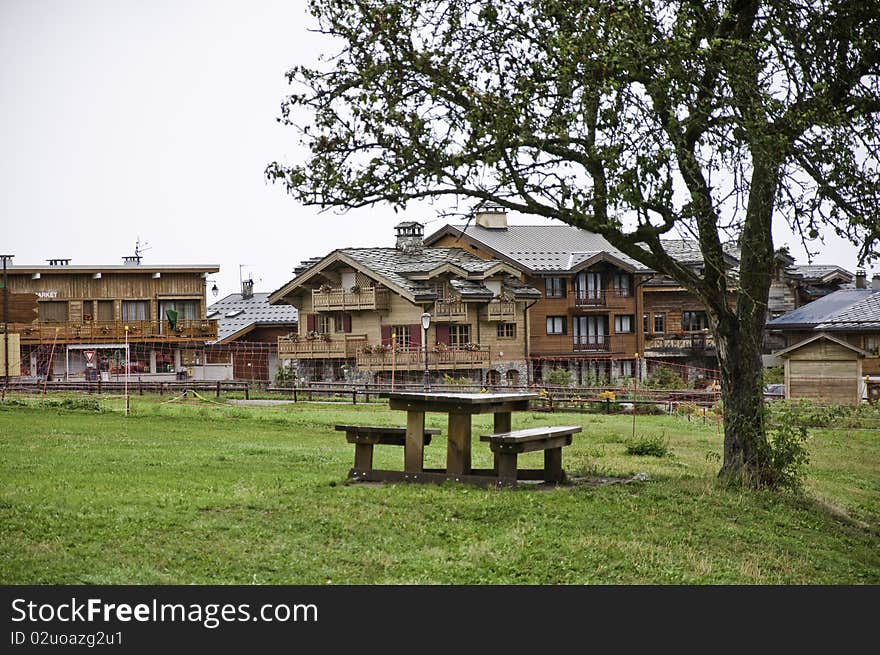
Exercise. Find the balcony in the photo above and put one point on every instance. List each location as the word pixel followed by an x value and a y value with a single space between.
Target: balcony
pixel 114 331
pixel 340 300
pixel 340 348
pixel 452 358
pixel 450 311
pixel 682 344
pixel 502 310
pixel 622 345
pixel 584 298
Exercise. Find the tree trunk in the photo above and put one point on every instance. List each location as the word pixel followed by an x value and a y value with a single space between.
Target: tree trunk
pixel 742 394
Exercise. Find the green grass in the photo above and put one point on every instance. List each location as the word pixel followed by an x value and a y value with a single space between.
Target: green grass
pixel 221 494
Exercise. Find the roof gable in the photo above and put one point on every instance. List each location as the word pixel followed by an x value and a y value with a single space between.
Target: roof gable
pixel 821 336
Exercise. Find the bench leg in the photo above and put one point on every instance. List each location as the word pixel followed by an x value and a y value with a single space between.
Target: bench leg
pixel 363 456
pixel 506 465
pixel 553 465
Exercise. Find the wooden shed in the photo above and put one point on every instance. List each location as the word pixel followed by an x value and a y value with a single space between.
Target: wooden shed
pixel 824 368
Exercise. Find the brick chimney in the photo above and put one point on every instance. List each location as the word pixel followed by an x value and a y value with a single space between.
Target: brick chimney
pixel 410 237
pixel 861 279
pixel 247 289
pixel 875 282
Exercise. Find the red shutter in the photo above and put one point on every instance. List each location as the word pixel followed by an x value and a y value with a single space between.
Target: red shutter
pixel 346 323
pixel 442 333
pixel 311 322
pixel 386 335
pixel 415 336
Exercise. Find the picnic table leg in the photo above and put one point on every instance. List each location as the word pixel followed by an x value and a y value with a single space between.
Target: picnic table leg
pixel 363 456
pixel 553 465
pixel 458 450
pixel 414 447
pixel 502 424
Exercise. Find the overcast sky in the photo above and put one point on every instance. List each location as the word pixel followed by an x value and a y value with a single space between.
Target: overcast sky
pixel 155 119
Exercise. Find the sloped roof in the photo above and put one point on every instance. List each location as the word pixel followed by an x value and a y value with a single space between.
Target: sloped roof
pixel 835 309
pixel 862 315
pixel 542 247
pixel 823 337
pixel 235 314
pixel 400 268
pixel 820 272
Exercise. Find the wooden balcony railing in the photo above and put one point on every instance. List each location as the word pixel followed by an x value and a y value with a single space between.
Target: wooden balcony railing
pixel 450 310
pixel 107 331
pixel 345 346
pixel 671 343
pixel 339 299
pixel 415 359
pixel 599 343
pixel 502 310
pixel 601 297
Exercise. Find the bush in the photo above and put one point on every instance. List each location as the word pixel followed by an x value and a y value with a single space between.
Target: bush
pixel 663 377
pixel 774 375
pixel 648 446
pixel 456 382
pixel 786 458
pixel 75 404
pixel 560 377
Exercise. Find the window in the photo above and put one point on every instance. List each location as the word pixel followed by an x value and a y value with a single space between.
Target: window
pixel 459 335
pixel 323 324
pixel 660 323
pixel 556 325
pixel 622 285
pixel 493 378
pixel 512 378
pixel 554 287
pixel 590 332
pixel 694 321
pixel 342 322
pixel 624 368
pixel 507 330
pixel 402 336
pixel 645 318
pixel 589 286
pixel 105 310
pixel 872 344
pixel 88 310
pixel 136 310
pixel 442 290
pixel 624 323
pixel 53 312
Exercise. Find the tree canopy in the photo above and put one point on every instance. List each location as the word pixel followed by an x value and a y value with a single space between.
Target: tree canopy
pixel 634 119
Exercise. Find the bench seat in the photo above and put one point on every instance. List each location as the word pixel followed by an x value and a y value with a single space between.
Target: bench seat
pixel 508 445
pixel 364 437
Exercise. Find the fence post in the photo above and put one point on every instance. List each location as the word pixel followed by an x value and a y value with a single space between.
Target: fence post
pixel 246 391
pixel 218 389
pixel 354 396
pixel 294 392
pixel 140 388
pixel 366 392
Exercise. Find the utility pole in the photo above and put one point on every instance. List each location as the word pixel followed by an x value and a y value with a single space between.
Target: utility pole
pixel 6 258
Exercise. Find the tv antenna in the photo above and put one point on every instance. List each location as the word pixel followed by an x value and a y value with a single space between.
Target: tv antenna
pixel 140 248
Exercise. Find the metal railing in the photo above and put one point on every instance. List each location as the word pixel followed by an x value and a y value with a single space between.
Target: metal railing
pixel 103 331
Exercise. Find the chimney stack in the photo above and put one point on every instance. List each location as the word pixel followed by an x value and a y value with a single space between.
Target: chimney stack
pixel 875 282
pixel 861 279
pixel 492 217
pixel 247 289
pixel 410 237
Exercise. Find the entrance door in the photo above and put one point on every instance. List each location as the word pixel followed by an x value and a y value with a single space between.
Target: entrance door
pixel 590 332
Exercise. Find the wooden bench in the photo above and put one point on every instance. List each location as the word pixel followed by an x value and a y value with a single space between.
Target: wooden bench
pixel 364 437
pixel 508 445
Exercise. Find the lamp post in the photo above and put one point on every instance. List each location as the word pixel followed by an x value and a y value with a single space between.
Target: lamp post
pixel 6 258
pixel 426 323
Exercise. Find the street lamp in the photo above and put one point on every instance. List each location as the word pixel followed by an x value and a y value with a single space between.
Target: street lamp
pixel 426 323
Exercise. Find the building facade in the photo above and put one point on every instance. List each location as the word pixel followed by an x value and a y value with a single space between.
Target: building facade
pixel 73 321
pixel 360 312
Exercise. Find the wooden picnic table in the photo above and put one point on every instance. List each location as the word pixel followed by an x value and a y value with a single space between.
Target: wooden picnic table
pixel 460 407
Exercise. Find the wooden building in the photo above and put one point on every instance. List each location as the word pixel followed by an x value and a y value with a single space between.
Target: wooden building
pixel 247 335
pixel 73 321
pixel 826 369
pixel 360 314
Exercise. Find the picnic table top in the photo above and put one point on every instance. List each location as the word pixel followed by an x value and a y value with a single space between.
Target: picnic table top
pixel 457 398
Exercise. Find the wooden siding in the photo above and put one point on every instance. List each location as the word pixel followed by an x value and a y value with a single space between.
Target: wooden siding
pixel 824 371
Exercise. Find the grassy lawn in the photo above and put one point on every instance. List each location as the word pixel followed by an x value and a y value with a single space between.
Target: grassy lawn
pixel 220 494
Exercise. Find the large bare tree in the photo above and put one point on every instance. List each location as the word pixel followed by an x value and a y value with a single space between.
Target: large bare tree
pixel 631 118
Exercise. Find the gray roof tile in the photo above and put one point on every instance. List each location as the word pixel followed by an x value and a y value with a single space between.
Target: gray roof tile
pixel 834 309
pixel 255 310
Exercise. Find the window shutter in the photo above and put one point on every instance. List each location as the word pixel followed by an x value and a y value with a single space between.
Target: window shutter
pixel 415 336
pixel 346 323
pixel 311 322
pixel 386 335
pixel 442 331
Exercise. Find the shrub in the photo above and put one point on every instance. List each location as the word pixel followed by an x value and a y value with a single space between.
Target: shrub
pixel 774 375
pixel 648 446
pixel 663 377
pixel 74 404
pixel 560 377
pixel 456 382
pixel 786 457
